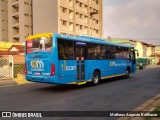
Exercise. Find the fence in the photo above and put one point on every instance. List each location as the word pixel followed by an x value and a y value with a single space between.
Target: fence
pixel 18 66
pixel 5 69
pixel 11 66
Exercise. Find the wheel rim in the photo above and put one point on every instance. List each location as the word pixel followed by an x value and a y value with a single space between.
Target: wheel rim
pixel 95 79
pixel 127 73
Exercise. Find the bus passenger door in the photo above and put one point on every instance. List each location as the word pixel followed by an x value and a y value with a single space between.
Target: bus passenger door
pixel 133 59
pixel 80 58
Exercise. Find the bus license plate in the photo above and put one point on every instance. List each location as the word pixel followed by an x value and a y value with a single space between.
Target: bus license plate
pixel 37 73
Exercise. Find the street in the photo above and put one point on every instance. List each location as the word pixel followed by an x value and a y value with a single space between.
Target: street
pixel 110 95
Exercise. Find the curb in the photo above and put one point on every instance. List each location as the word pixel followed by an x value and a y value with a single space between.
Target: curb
pixel 21 81
pixel 152 67
pixel 7 82
pixel 12 82
pixel 147 106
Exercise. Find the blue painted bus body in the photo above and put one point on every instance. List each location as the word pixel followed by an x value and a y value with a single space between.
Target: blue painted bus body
pixel 66 70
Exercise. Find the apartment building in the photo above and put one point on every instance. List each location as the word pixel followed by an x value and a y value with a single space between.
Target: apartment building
pixel 19 20
pixel 72 17
pixel 4 20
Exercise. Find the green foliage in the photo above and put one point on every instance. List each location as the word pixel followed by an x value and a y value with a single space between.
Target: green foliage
pixel 155 111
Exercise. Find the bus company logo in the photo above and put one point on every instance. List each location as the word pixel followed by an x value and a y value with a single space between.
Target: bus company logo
pixel 112 63
pixel 67 68
pixel 63 67
pixel 117 64
pixel 37 64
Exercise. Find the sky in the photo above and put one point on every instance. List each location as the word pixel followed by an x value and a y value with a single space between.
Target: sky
pixel 132 19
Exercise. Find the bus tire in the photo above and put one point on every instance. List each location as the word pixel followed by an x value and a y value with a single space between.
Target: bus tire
pixel 96 78
pixel 127 75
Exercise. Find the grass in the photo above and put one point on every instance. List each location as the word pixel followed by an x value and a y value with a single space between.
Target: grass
pixel 157 111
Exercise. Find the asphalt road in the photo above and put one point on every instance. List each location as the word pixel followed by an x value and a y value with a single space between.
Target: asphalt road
pixel 110 95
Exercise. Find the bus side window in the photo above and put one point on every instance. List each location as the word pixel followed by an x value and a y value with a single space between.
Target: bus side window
pixel 90 52
pixel 107 54
pixel 66 50
pixel 70 54
pixel 96 52
pixel 102 52
pixel 110 52
pixel 62 49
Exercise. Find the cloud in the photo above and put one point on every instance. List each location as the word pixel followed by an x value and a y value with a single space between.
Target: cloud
pixel 135 19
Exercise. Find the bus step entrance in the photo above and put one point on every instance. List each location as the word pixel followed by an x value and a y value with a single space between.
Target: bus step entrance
pixel 82 83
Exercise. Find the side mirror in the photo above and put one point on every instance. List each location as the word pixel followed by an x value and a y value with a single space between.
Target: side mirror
pixel 137 53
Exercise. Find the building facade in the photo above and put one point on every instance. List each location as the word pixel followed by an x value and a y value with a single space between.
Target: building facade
pixel 72 17
pixel 4 20
pixel 19 20
pixel 157 53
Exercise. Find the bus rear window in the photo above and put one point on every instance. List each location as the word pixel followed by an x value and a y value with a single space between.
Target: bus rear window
pixel 39 44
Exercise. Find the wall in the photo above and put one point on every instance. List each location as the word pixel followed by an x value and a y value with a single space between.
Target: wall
pixel 45 18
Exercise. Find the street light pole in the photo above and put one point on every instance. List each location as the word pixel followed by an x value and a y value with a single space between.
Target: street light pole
pixel 91 16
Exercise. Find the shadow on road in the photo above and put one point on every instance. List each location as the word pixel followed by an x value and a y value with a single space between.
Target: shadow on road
pixel 62 88
pixel 116 79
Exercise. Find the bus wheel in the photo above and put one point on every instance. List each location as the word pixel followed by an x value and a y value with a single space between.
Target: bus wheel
pixel 127 73
pixel 96 78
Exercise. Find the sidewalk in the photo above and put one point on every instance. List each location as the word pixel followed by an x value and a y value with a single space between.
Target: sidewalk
pixel 152 66
pixel 7 82
pixel 147 106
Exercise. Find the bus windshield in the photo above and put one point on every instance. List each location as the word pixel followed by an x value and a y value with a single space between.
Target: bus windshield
pixel 39 44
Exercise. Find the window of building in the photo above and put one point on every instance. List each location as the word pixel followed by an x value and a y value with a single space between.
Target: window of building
pixel 91 9
pixel 64 23
pixel 81 27
pixel 85 29
pixel 96 21
pixel 97 2
pixel 85 7
pixel 71 3
pixel 81 16
pixel 26 3
pixel 96 31
pixel 81 5
pixel 77 14
pixel 77 26
pixel 77 3
pixel 70 26
pixel 85 18
pixel 70 14
pixel 64 10
pixel 26 14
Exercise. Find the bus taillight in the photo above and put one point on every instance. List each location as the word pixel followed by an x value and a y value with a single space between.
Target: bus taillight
pixel 52 70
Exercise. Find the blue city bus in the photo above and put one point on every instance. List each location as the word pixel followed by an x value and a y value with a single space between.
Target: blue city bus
pixel 64 59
